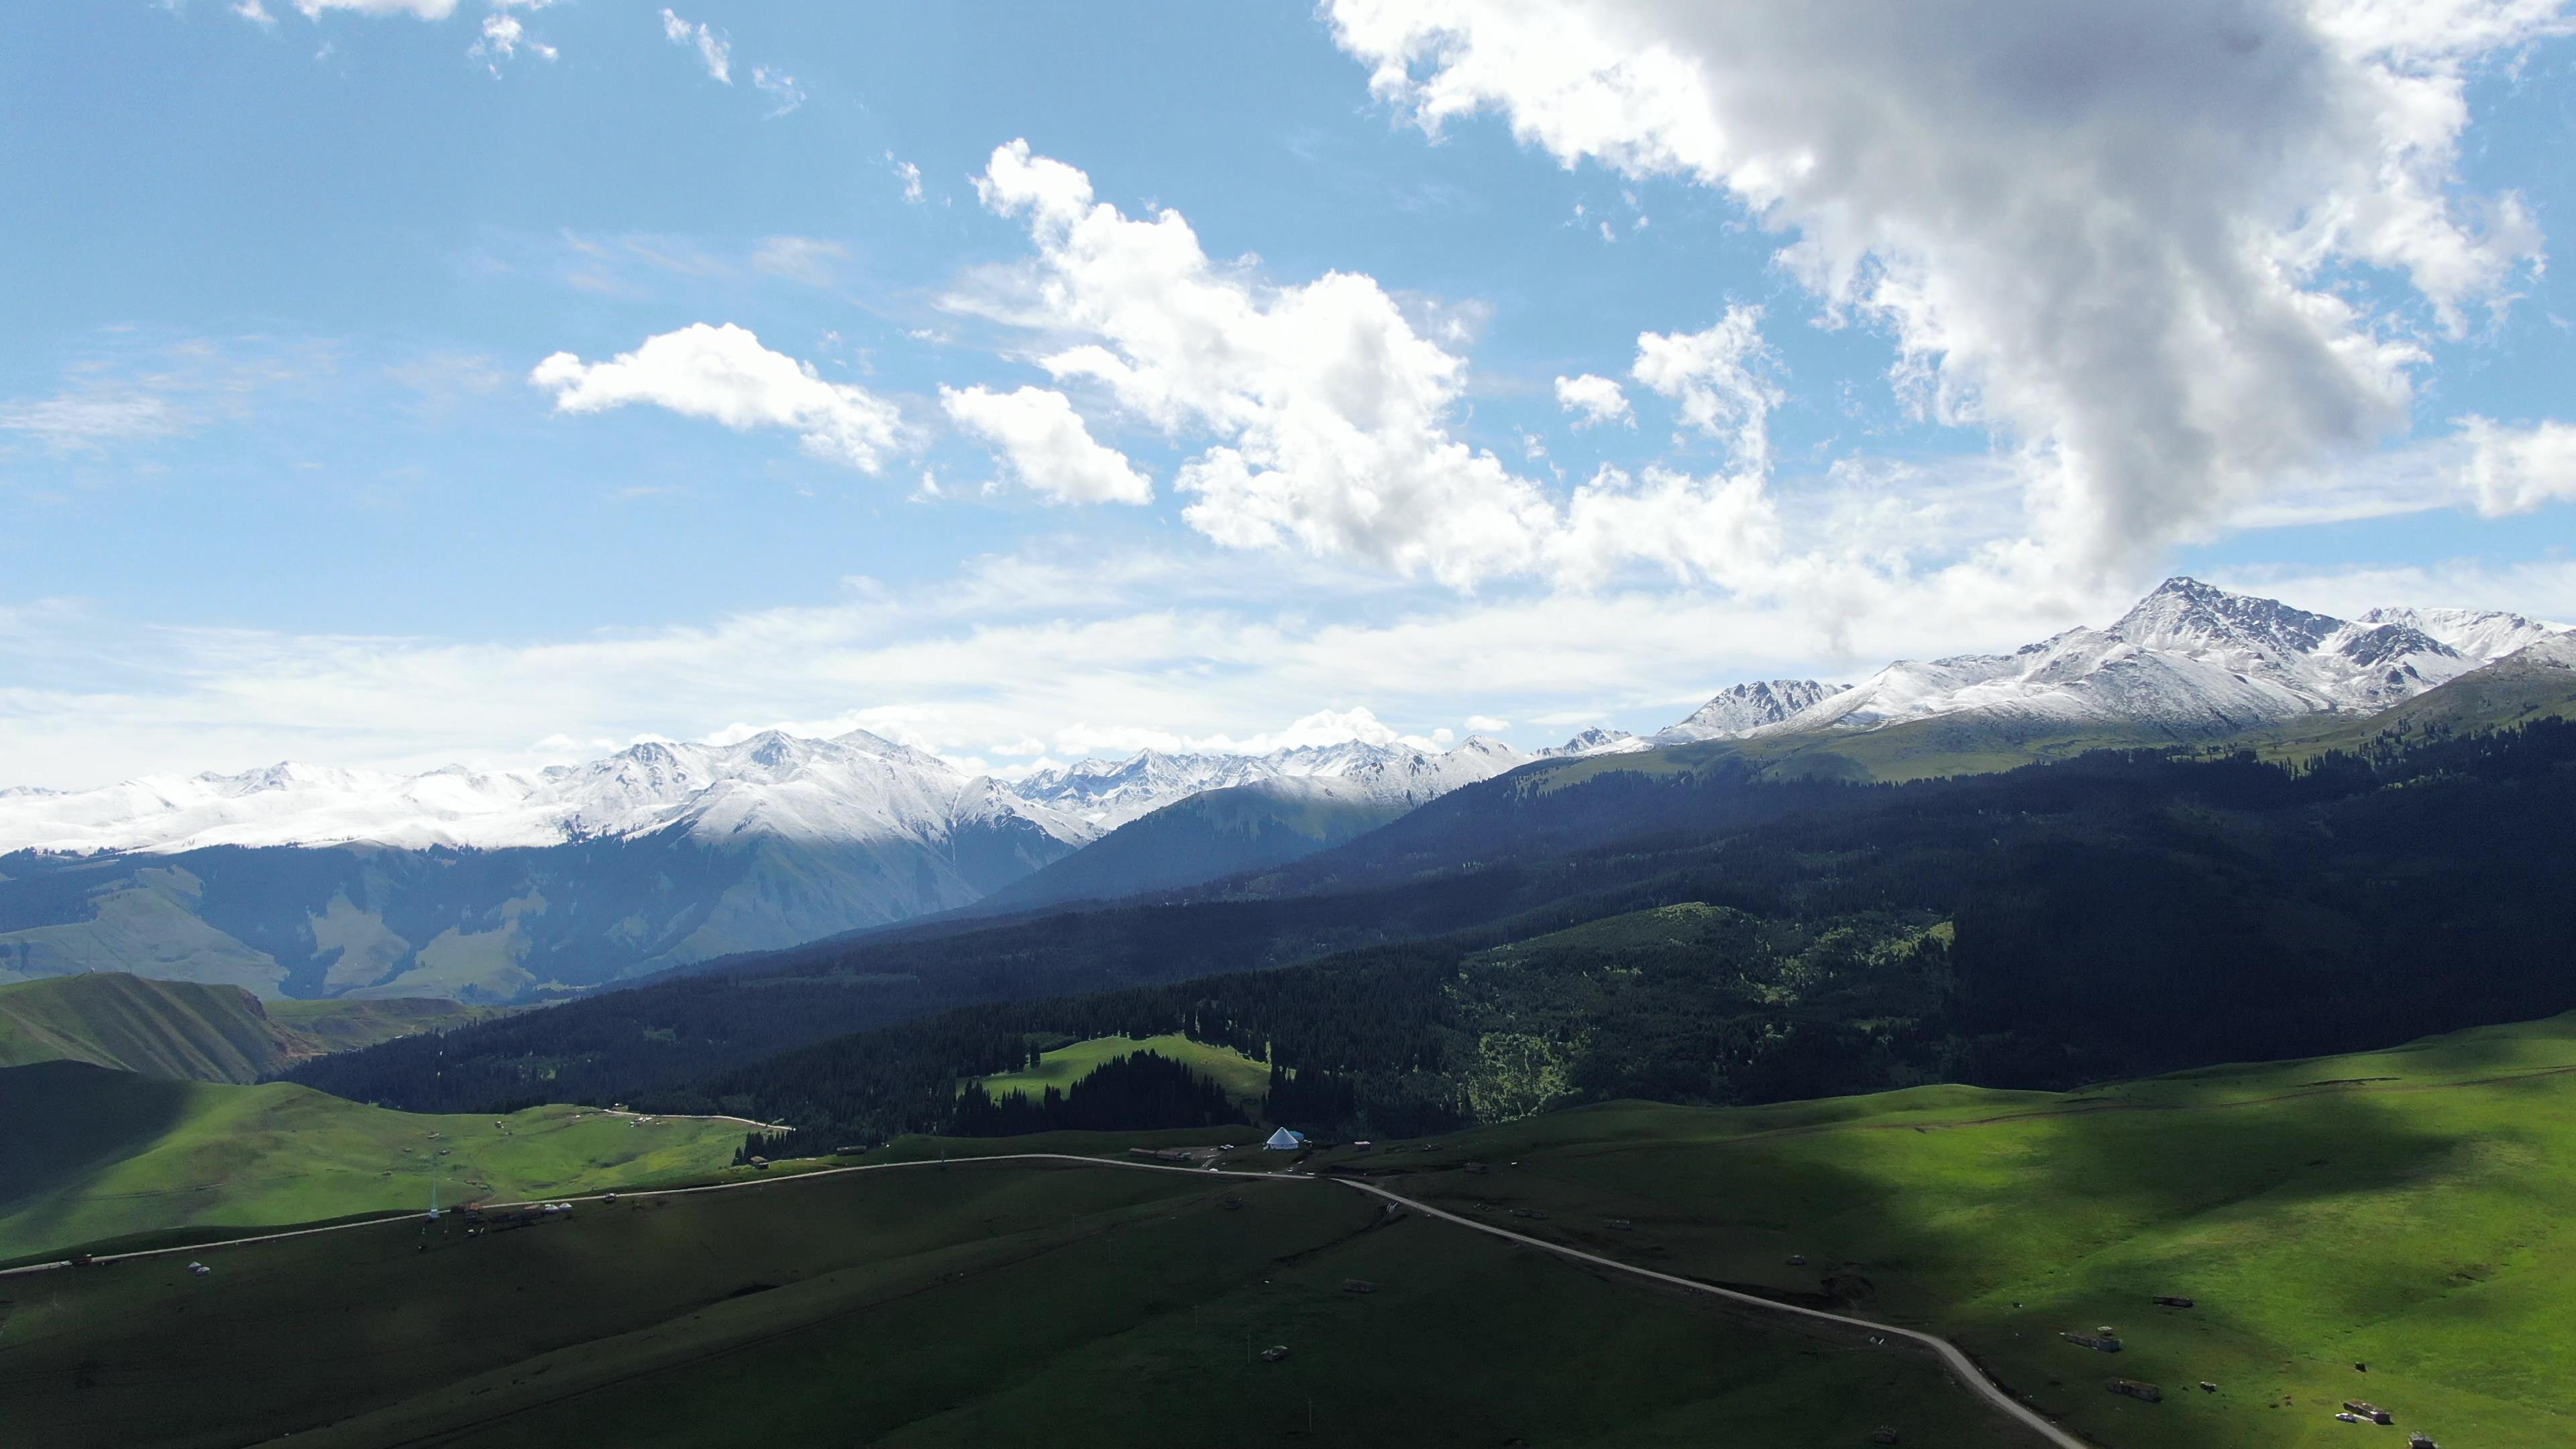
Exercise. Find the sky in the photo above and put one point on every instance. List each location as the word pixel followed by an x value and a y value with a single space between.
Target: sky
pixel 396 383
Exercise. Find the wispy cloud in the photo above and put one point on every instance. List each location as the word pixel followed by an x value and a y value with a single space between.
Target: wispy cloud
pixel 780 85
pixel 908 174
pixel 713 51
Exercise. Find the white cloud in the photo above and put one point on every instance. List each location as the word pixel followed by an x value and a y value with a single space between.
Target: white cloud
pixel 725 375
pixel 255 12
pixel 1593 400
pixel 1053 648
pixel 2515 470
pixel 780 84
pixel 1047 444
pixel 714 53
pixel 503 36
pixel 1324 411
pixel 909 175
pixel 1487 724
pixel 1721 378
pixel 2129 240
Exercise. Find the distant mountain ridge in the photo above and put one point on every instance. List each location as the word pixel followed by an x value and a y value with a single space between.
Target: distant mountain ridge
pixel 2190 660
pixel 300 881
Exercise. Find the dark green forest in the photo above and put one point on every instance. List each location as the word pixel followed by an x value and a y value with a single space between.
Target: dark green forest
pixel 2117 914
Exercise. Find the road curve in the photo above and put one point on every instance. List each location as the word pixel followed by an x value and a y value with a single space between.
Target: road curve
pixel 1952 1357
pixel 1957 1361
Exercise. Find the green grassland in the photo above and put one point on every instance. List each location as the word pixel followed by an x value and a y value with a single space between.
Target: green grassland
pixel 190 1030
pixel 89 1154
pixel 973 1304
pixel 1238 1076
pixel 2399 1209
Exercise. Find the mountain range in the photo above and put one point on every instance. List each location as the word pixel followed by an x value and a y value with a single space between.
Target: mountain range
pixel 305 881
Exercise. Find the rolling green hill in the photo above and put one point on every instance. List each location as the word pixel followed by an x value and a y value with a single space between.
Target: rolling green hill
pixel 958 1305
pixel 196 1032
pixel 2395 1209
pixel 88 1154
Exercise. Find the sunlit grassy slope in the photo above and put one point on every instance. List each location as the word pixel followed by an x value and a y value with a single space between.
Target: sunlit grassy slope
pixel 971 1305
pixel 88 1154
pixel 2402 1209
pixel 1239 1076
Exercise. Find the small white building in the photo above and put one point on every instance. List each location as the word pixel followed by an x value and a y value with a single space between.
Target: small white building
pixel 1284 1140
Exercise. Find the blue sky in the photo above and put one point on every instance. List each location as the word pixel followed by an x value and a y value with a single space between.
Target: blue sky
pixel 282 472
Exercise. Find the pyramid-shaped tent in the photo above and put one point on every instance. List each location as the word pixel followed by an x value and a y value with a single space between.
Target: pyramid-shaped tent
pixel 1284 1140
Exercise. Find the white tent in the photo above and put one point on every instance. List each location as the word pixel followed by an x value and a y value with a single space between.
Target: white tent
pixel 1284 1140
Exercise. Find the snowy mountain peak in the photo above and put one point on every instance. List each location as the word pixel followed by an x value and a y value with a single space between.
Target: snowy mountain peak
pixel 1597 741
pixel 2471 633
pixel 1105 794
pixel 2191 660
pixel 1740 709
pixel 2187 616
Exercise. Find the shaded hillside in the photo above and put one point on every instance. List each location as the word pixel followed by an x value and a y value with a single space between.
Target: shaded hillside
pixel 486 926
pixel 2107 917
pixel 2103 910
pixel 988 1304
pixel 184 1030
pixel 1209 836
pixel 611 1046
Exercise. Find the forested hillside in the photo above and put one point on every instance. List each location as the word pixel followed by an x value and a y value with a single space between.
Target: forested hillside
pixel 2113 915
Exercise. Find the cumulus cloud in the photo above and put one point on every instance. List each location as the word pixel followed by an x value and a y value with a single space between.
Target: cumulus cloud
pixel 713 51
pixel 723 374
pixel 2515 470
pixel 1721 379
pixel 1047 444
pixel 1326 405
pixel 1593 400
pixel 2166 253
pixel 1325 412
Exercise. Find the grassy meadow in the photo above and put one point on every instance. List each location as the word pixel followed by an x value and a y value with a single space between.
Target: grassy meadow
pixel 2396 1209
pixel 974 1304
pixel 88 1154
pixel 1238 1076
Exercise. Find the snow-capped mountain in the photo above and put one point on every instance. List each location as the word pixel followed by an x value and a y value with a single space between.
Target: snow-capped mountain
pixel 2189 660
pixel 853 788
pixel 1597 741
pixel 1738 710
pixel 1105 794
